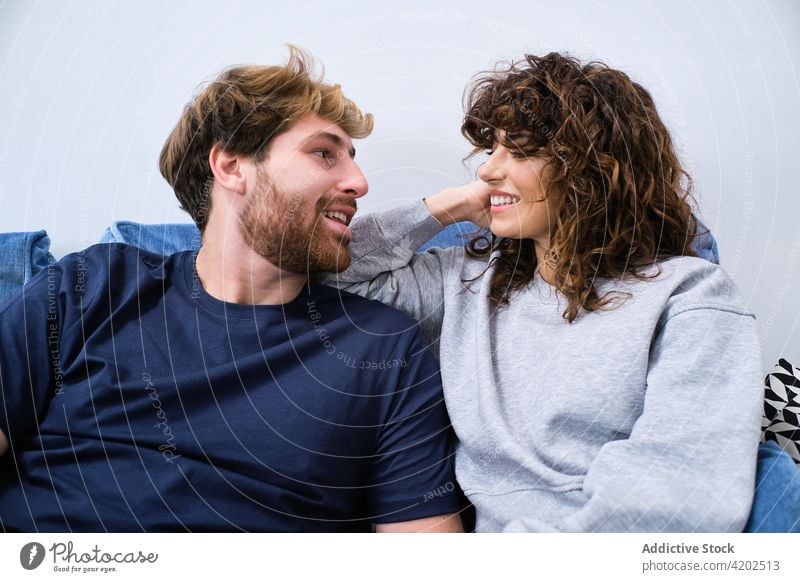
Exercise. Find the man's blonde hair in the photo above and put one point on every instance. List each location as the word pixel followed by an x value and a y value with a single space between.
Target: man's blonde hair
pixel 242 111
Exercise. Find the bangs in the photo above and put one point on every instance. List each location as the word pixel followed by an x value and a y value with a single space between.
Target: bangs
pixel 507 110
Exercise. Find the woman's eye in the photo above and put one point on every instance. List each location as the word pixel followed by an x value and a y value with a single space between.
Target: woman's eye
pixel 489 152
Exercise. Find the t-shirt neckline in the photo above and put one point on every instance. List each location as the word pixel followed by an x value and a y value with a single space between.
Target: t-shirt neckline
pixel 227 310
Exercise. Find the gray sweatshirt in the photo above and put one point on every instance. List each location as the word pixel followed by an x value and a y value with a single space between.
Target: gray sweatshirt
pixel 642 418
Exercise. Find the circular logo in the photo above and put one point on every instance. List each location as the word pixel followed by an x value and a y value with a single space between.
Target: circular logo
pixel 31 555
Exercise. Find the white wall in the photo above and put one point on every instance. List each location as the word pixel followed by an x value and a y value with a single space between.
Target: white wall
pixel 90 89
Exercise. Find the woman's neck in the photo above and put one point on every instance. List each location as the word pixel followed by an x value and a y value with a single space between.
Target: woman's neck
pixel 544 262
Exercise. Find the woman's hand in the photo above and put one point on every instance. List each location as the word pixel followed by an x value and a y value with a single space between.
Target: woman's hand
pixel 466 202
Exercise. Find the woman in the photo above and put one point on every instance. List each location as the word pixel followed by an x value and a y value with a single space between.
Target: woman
pixel 598 375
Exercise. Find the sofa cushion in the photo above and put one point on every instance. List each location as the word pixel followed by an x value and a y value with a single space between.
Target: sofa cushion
pixel 781 421
pixel 22 255
pixel 167 239
pixel 776 503
pixel 162 239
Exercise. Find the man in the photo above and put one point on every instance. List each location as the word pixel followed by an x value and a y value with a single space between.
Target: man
pixel 222 391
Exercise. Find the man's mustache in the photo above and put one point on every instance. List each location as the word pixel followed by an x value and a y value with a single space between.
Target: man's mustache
pixel 338 201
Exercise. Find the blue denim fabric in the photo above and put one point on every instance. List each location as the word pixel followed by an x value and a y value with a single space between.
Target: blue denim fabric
pixel 166 239
pixel 705 245
pixel 163 239
pixel 22 255
pixel 776 506
pixel 455 235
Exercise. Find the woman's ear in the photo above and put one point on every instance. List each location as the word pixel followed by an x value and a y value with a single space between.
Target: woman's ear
pixel 228 169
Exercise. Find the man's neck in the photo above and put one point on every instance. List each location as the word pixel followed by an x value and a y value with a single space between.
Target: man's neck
pixel 231 271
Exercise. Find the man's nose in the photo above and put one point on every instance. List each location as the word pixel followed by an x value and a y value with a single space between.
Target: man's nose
pixel 353 181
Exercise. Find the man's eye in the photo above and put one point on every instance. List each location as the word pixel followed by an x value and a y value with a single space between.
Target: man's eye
pixel 327 156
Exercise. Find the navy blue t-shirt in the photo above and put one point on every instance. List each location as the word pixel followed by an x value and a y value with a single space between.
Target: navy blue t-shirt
pixel 135 401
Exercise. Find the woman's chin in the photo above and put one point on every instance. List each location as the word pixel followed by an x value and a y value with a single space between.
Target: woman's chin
pixel 503 231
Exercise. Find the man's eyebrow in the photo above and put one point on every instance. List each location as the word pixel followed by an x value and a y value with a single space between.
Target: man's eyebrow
pixel 335 139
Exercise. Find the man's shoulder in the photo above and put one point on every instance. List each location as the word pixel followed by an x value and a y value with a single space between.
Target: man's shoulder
pixel 112 253
pixel 368 313
pixel 118 257
pixel 111 266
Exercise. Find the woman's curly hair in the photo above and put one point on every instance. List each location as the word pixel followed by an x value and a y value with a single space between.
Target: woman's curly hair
pixel 623 199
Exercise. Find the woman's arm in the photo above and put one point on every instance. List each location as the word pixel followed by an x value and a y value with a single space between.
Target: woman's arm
pixel 385 265
pixel 689 463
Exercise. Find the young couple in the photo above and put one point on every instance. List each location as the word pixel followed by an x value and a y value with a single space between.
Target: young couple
pixel 598 375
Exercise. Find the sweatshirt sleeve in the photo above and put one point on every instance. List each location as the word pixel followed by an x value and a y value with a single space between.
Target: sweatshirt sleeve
pixel 386 267
pixel 689 462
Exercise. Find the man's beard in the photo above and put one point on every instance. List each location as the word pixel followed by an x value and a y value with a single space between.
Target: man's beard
pixel 280 228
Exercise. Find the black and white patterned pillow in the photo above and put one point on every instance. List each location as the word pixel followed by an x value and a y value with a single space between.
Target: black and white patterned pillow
pixel 781 421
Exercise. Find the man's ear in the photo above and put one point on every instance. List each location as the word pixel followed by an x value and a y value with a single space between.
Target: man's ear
pixel 228 170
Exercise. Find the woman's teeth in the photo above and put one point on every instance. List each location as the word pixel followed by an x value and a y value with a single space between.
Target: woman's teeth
pixel 503 200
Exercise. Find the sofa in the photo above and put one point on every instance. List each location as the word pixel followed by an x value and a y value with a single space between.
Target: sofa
pixel 776 506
